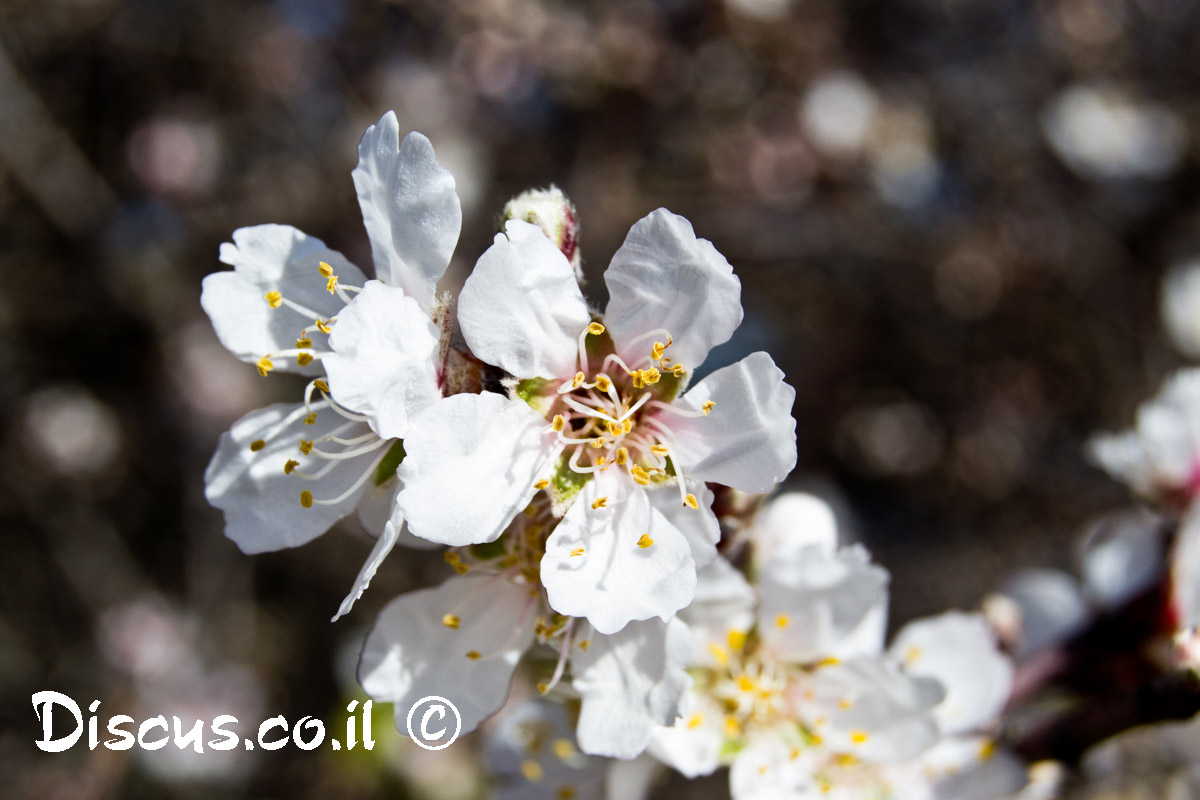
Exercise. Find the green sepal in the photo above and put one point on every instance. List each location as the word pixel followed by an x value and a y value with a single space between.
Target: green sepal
pixel 391 459
pixel 486 551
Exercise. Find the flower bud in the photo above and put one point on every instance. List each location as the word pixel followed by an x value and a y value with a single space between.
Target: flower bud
pixel 553 213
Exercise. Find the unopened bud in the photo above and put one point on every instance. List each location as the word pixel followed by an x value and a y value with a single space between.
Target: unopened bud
pixel 550 210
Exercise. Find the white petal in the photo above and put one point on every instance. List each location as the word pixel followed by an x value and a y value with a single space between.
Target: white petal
pixel 791 523
pixel 541 732
pixel 383 360
pixel 959 651
pixel 1179 301
pixel 748 440
pixel 959 770
pixel 692 746
pixel 377 508
pixel 379 552
pixel 272 258
pixel 614 579
pixel 1185 570
pixel 521 308
pixel 409 206
pixel 664 277
pixel 261 503
pixel 821 604
pixel 471 465
pixel 867 696
pixel 765 769
pixel 698 525
pixel 724 602
pixel 630 682
pixel 1052 607
pixel 1122 556
pixel 411 653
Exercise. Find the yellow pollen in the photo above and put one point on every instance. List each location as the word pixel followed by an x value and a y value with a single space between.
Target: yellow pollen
pixel 690 502
pixel 719 653
pixel 638 381
pixel 325 269
pixel 645 541
pixel 794 754
pixel 303 342
pixel 678 370
pixel 660 450
pixel 461 568
pixel 274 299
pixel 736 638
pixel 746 683
pixel 584 644
pixel 656 352
pixel 306 498
pixel 451 557
pixel 289 466
pixel 695 721
pixel 595 328
pixel 265 366
pixel 708 406
pixel 563 749
pixel 578 551
pixel 828 662
pixel 640 476
pixel 598 442
pixel 627 426
pixel 323 326
pixel 762 770
pixel 814 740
pixel 601 461
pixel 331 284
pixel 565 792
pixel 304 359
pixel 559 422
pixel 622 456
pixel 782 620
pixel 578 380
pixel 256 445
pixel 306 446
pixel 532 771
pixel 450 620
pixel 845 703
pixel 543 687
pixel 732 726
pixel 320 385
pixel 858 737
pixel 473 655
pixel 311 419
pixel 651 376
pixel 542 484
pixel 600 502
pixel 987 750
pixel 603 383
pixel 912 655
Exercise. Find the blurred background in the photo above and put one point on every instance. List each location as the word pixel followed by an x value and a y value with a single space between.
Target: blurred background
pixel 950 219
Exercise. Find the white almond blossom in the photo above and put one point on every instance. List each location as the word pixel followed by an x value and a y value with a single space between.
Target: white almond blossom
pixel 463 640
pixel 595 418
pixel 376 352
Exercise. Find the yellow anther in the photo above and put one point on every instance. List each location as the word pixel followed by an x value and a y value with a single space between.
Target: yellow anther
pixel 331 284
pixel 599 502
pixel 603 383
pixel 732 726
pixel 598 442
pixel 678 370
pixel 828 662
pixel 451 621
pixel 303 342
pixel 306 498
pixel 601 461
pixel 858 737
pixel 736 638
pixel 638 381
pixel 656 352
pixel 306 446
pixel 691 502
pixel 595 328
pixel 304 359
pixel 564 749
pixel 814 740
pixel 473 655
pixel 845 760
pixel 640 476
pixel 660 450
pixel 719 653
pixel 614 428
pixel 325 269
pixel 320 385
pixel 782 620
pixel 323 326
pixel 627 426
pixel 794 754
pixel 543 687
pixel 584 644
pixel 845 703
pixel 542 484
pixel 695 721
pixel 461 568
pixel 578 380
pixel 265 366
pixel 651 376
pixel 256 445
pixel 645 541
pixel 746 683
pixel 559 422
pixel 987 750
pixel 289 466
pixel 532 771
pixel 622 456
pixel 578 551
pixel 565 792
pixel 274 299
pixel 708 406
pixel 451 557
pixel 311 419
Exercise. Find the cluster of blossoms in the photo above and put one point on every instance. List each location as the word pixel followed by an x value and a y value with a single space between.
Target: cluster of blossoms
pixel 596 507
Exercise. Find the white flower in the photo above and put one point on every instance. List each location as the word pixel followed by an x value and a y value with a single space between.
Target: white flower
pixel 463 640
pixel 1160 457
pixel 531 750
pixel 285 473
pixel 594 419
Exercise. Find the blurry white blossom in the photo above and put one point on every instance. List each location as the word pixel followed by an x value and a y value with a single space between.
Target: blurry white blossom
pixel 838 111
pixel 1179 303
pixel 72 431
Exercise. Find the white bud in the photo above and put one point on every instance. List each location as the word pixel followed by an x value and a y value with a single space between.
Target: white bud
pixel 550 210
